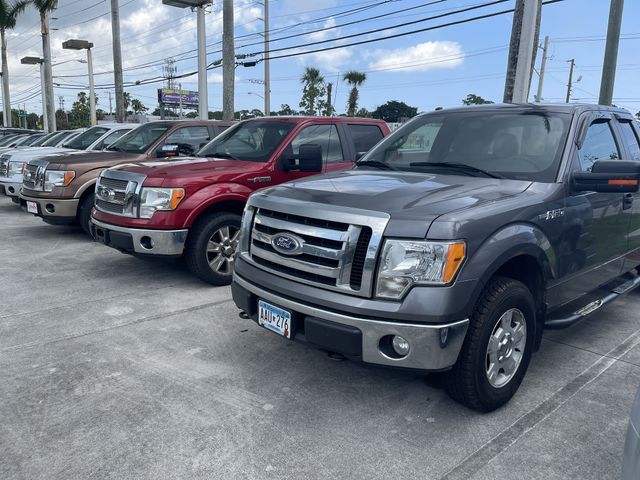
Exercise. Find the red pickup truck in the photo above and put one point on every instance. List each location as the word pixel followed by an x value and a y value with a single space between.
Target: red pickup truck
pixel 193 207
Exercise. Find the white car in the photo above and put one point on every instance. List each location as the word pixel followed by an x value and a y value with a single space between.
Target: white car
pixel 95 138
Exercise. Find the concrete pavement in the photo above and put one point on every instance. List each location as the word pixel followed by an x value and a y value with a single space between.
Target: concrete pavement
pixel 114 367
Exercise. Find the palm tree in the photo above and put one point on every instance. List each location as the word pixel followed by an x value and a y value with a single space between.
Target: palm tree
pixel 45 7
pixel 8 16
pixel 354 79
pixel 313 90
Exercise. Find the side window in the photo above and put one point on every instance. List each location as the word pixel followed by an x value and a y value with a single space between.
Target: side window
pixel 631 140
pixel 188 139
pixel 599 144
pixel 324 135
pixel 365 136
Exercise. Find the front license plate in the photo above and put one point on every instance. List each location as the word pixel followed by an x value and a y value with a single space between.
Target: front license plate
pixel 32 207
pixel 274 318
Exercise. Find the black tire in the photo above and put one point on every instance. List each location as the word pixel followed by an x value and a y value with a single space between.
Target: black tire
pixel 84 213
pixel 468 382
pixel 196 254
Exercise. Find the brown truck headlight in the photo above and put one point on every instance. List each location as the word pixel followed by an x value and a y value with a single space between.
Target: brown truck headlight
pixel 57 178
pixel 405 263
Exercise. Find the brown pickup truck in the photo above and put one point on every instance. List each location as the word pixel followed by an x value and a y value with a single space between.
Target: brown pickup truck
pixel 60 188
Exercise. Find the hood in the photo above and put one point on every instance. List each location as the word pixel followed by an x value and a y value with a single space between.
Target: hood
pixel 26 154
pixel 176 172
pixel 413 200
pixel 97 157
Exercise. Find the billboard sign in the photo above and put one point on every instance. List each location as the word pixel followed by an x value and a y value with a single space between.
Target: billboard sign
pixel 171 98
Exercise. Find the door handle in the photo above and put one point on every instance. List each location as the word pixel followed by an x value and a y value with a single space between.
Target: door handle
pixel 627 203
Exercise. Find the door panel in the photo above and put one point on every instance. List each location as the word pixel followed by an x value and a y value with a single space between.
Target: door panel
pixel 592 252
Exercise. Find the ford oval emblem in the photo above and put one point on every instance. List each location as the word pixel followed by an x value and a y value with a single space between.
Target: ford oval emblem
pixel 287 243
pixel 106 194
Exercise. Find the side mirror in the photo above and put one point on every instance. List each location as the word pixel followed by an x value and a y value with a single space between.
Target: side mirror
pixel 167 151
pixel 608 176
pixel 310 157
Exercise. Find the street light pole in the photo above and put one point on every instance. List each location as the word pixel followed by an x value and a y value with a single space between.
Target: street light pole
pixel 203 94
pixel 41 63
pixel 85 45
pixel 267 73
pixel 611 53
pixel 117 60
pixel 92 91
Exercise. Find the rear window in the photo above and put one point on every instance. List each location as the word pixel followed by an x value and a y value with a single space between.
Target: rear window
pixel 365 136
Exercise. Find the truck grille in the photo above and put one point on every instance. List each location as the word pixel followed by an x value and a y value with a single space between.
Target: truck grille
pixel 34 174
pixel 117 192
pixel 4 166
pixel 328 252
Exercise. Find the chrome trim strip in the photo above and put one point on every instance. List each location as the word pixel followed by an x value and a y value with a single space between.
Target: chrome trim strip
pixel 297 264
pixel 294 227
pixel 433 347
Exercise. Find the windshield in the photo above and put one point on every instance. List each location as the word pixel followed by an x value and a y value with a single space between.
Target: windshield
pixel 25 140
pixel 82 141
pixel 42 140
pixel 521 145
pixel 56 139
pixel 8 140
pixel 140 139
pixel 33 139
pixel 253 141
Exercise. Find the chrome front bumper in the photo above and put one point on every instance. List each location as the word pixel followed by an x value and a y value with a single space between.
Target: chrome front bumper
pixel 432 347
pixel 9 188
pixel 147 242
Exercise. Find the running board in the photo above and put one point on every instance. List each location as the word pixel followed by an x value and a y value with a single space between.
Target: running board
pixel 589 308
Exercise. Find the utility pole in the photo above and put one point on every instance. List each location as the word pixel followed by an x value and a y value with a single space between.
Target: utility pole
pixel 267 73
pixel 4 105
pixel 572 63
pixel 228 61
pixel 203 94
pixel 110 104
pixel 117 60
pixel 522 50
pixel 611 53
pixel 543 65
pixel 180 94
pixel 49 107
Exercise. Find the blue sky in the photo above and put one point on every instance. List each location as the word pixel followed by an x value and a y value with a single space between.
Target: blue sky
pixel 425 70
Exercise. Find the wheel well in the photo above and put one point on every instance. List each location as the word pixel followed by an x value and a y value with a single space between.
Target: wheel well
pixel 231 206
pixel 527 269
pixel 88 191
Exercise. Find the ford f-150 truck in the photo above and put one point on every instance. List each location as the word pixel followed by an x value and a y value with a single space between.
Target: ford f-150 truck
pixel 95 138
pixel 453 243
pixel 60 189
pixel 192 207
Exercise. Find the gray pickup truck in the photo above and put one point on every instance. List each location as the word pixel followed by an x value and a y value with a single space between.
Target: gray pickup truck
pixel 453 243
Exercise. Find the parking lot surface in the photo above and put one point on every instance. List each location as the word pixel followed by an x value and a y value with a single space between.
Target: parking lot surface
pixel 116 367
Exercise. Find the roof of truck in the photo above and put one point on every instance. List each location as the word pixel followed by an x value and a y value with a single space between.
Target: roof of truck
pixel 550 107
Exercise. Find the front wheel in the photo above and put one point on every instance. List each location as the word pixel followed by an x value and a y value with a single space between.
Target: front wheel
pixel 84 213
pixel 211 247
pixel 497 348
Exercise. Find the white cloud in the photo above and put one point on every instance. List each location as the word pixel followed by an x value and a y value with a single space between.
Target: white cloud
pixel 420 57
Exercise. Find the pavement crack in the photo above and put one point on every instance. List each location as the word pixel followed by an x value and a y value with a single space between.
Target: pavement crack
pixel 72 336
pixel 473 463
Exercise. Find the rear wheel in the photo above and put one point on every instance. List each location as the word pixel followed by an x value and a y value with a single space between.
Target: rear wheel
pixel 84 213
pixel 211 247
pixel 497 348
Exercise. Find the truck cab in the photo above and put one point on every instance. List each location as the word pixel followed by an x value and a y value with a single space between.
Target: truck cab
pixel 192 207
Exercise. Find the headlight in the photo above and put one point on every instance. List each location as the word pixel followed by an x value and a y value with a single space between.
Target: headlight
pixel 57 178
pixel 152 199
pixel 405 263
pixel 16 168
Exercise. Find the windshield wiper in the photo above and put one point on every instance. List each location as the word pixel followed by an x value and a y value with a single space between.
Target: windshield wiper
pixel 220 155
pixel 456 166
pixel 375 164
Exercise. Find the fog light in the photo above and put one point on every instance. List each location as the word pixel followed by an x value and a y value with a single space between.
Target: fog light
pixel 400 345
pixel 146 243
